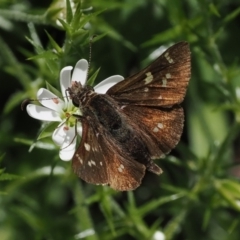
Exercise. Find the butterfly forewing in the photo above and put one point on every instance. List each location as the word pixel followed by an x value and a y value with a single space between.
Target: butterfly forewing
pixel 162 83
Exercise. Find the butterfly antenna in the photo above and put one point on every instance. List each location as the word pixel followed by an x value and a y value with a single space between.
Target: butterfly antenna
pixel 90 53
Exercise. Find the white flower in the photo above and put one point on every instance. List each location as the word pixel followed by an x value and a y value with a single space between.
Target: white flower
pixel 158 235
pixel 54 109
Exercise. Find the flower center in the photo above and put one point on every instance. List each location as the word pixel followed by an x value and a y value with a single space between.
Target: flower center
pixel 68 115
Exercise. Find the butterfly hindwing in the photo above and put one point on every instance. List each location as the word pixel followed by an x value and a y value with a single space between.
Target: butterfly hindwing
pixel 162 83
pixel 99 160
pixel 124 173
pixel 163 127
pixel 89 161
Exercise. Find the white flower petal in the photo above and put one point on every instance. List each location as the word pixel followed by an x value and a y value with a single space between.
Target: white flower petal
pixel 65 80
pixel 103 86
pixel 80 71
pixel 68 147
pixel 158 235
pixel 42 113
pixel 50 100
pixel 79 129
pixel 67 153
pixel 59 134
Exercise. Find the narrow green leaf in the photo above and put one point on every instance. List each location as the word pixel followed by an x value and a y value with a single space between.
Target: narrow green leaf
pixel 34 35
pixel 232 186
pixel 45 55
pixel 77 17
pixel 233 131
pixel 48 130
pixel 9 58
pixel 151 205
pixel 38 48
pixel 98 37
pixel 54 44
pixel 110 31
pixel 52 13
pixel 42 145
pixel 83 216
pixel 232 15
pixel 174 225
pixel 207 217
pixel 86 18
pixel 230 191
pixel 91 80
pixel 214 10
pixel 54 90
pixel 66 26
pixel 106 208
pixel 39 144
pixel 9 177
pixel 69 12
pixel 14 101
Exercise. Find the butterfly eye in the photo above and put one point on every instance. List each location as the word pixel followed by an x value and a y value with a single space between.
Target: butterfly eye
pixel 75 101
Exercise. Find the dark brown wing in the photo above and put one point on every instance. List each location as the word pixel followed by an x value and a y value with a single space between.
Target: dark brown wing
pixel 88 161
pixel 161 128
pixel 162 83
pixel 98 160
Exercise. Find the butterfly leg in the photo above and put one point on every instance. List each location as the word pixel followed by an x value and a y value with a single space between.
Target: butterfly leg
pixel 78 117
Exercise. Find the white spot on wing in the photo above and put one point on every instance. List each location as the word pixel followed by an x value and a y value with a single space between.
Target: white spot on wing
pixel 94 149
pixel 93 162
pixel 168 75
pixel 164 82
pixel 169 59
pixel 149 78
pixel 79 158
pixel 87 146
pixel 120 168
pixel 158 127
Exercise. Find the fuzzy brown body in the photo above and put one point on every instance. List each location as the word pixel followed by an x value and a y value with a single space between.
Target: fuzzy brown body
pixel 136 121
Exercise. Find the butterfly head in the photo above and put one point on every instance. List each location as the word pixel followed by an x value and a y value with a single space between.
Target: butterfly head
pixel 80 94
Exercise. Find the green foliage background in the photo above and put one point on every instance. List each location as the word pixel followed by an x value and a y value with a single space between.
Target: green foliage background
pixel 197 197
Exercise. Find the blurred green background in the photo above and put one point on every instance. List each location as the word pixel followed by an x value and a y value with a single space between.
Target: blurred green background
pixel 197 197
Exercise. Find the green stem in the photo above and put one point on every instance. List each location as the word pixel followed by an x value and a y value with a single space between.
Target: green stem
pixel 82 213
